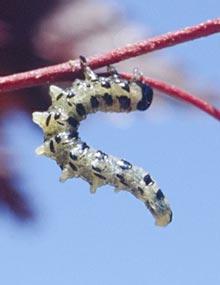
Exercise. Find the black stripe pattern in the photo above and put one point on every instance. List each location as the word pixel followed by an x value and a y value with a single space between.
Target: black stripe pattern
pixel 76 159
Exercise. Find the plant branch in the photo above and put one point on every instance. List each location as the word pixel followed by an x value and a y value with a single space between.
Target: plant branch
pixel 181 94
pixel 71 69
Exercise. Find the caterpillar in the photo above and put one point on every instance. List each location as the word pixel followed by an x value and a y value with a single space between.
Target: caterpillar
pixel 62 143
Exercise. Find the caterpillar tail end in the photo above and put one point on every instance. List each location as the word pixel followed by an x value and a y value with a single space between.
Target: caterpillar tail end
pixel 160 210
pixel 164 220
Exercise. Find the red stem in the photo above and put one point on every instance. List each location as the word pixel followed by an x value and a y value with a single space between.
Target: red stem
pixel 178 93
pixel 70 70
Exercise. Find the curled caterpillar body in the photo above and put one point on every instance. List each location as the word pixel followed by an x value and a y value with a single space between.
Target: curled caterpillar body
pixel 76 159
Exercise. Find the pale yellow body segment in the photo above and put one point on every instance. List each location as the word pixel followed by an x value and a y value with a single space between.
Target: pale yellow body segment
pixel 76 159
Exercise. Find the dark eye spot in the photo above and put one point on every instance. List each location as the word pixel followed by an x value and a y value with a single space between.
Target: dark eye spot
pixel 52 149
pixel 121 179
pixel 70 93
pixel 80 109
pixel 101 155
pixel 59 96
pixel 73 122
pixel 94 102
pixel 73 134
pixel 160 195
pixel 60 123
pixel 74 168
pixel 73 156
pixel 57 139
pixel 100 176
pixel 124 164
pixel 119 176
pixel 96 169
pixel 84 146
pixel 57 116
pixel 108 99
pixel 48 120
pixel 148 180
pixel 124 102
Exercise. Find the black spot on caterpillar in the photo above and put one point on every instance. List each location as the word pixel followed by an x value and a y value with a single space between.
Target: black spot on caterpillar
pixel 76 159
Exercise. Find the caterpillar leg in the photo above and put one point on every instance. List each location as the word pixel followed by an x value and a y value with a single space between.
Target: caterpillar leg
pixel 137 75
pixel 112 71
pixel 88 72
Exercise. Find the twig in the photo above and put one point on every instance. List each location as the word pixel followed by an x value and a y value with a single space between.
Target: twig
pixel 178 93
pixel 70 70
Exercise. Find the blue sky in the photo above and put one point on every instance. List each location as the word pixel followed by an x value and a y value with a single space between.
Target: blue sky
pixel 110 238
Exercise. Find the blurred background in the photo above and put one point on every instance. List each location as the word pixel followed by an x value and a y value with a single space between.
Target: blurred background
pixel 53 233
